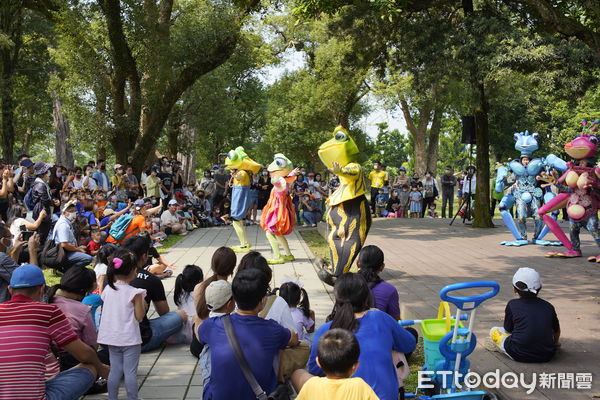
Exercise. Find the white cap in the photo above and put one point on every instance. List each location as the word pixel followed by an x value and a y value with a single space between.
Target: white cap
pixel 529 278
pixel 217 294
pixel 173 202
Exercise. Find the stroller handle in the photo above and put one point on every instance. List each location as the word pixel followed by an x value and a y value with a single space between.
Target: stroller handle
pixel 471 302
pixel 410 322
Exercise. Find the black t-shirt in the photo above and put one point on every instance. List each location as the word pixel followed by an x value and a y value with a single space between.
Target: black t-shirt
pixel 532 323
pixel 155 292
pixel 152 253
pixel 166 179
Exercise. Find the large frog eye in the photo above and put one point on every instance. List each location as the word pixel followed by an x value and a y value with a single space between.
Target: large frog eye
pixel 534 135
pixel 281 163
pixel 232 155
pixel 340 136
pixel 516 136
pixel 594 139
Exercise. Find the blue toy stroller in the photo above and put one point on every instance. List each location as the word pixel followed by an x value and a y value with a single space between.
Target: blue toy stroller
pixel 446 358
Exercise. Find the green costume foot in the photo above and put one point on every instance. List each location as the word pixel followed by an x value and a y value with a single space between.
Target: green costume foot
pixel 289 258
pixel 276 261
pixel 241 249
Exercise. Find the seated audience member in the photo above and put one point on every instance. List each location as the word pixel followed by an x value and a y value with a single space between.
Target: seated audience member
pixel 8 263
pixel 95 242
pixel 260 339
pixel 370 263
pixel 531 329
pixel 219 300
pixel 137 224
pixel 28 327
pixel 184 298
pixel 337 355
pixel 276 308
pixel 74 285
pixel 171 222
pixel 297 299
pixel 64 235
pixel 377 333
pixel 154 331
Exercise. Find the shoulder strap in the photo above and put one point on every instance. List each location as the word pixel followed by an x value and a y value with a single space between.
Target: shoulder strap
pixel 270 300
pixel 239 355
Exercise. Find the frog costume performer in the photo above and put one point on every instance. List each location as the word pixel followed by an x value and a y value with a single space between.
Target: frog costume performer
pixel 278 216
pixel 348 217
pixel 241 165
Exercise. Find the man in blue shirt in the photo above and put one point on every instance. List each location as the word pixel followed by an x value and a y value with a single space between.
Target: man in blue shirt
pixel 260 340
pixel 101 177
pixel 64 236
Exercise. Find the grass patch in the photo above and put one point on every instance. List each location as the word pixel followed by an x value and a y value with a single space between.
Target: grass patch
pixel 169 242
pixel 417 359
pixel 316 243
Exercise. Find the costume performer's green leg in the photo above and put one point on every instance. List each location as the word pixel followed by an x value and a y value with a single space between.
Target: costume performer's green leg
pixel 286 247
pixel 349 223
pixel 240 231
pixel 274 241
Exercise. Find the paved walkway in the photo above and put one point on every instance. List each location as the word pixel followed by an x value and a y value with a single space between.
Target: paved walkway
pixel 171 372
pixel 422 256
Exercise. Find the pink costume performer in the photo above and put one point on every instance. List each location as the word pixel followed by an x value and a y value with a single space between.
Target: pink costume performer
pixel 583 194
pixel 279 216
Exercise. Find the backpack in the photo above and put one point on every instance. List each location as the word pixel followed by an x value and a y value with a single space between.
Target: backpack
pixel 118 229
pixel 28 200
pixel 52 255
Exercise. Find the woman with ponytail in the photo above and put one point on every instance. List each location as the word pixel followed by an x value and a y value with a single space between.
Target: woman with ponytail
pixel 74 285
pixel 385 296
pixel 377 333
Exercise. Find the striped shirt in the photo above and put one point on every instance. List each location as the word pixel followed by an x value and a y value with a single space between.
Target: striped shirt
pixel 27 328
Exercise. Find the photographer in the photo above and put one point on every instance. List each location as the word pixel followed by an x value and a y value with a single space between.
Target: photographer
pixel 14 246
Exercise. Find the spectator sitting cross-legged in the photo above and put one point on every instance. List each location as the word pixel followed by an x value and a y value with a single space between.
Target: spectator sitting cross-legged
pixel 337 355
pixel 377 333
pixel 28 327
pixel 171 221
pixel 260 340
pixel 64 235
pixel 154 331
pixel 137 224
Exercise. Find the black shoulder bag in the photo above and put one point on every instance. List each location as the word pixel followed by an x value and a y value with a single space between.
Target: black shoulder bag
pixel 281 391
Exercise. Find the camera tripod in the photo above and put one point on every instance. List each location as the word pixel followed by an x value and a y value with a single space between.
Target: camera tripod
pixel 467 216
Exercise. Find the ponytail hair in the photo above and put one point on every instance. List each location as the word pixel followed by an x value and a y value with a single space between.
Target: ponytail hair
pixel 186 281
pixel 121 263
pixel 76 280
pixel 295 296
pixel 370 261
pixel 352 295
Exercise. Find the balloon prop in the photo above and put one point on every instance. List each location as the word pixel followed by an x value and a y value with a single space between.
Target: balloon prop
pixel 348 216
pixel 241 165
pixel 524 193
pixel 279 216
pixel 580 195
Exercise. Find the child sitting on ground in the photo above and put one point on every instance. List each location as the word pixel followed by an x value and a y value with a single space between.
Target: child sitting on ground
pixel 337 355
pixel 531 329
pixel 93 246
pixel 297 299
pixel 431 212
pixel 184 299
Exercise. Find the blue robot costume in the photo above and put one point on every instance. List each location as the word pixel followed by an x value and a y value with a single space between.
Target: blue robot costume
pixel 525 194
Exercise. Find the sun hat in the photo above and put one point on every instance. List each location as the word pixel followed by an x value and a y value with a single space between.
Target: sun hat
pixel 108 212
pixel 217 294
pixel 27 275
pixel 41 167
pixel 527 280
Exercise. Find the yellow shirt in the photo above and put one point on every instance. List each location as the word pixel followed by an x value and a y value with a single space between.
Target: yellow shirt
pixel 241 178
pixel 377 178
pixel 118 182
pixel 336 389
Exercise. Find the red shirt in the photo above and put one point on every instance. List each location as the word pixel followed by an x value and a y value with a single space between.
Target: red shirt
pixel 92 246
pixel 27 328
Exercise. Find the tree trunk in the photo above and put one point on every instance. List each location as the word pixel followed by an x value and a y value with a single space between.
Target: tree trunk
pixel 418 133
pixel 481 212
pixel 188 159
pixel 11 20
pixel 64 155
pixel 100 153
pixel 434 141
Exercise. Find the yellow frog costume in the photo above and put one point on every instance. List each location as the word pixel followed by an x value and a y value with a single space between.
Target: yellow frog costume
pixel 241 166
pixel 348 216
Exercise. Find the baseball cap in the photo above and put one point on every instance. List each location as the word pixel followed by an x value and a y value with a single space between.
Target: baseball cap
pixel 217 294
pixel 27 275
pixel 117 166
pixel 26 163
pixel 68 204
pixel 139 203
pixel 107 212
pixel 173 202
pixel 527 280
